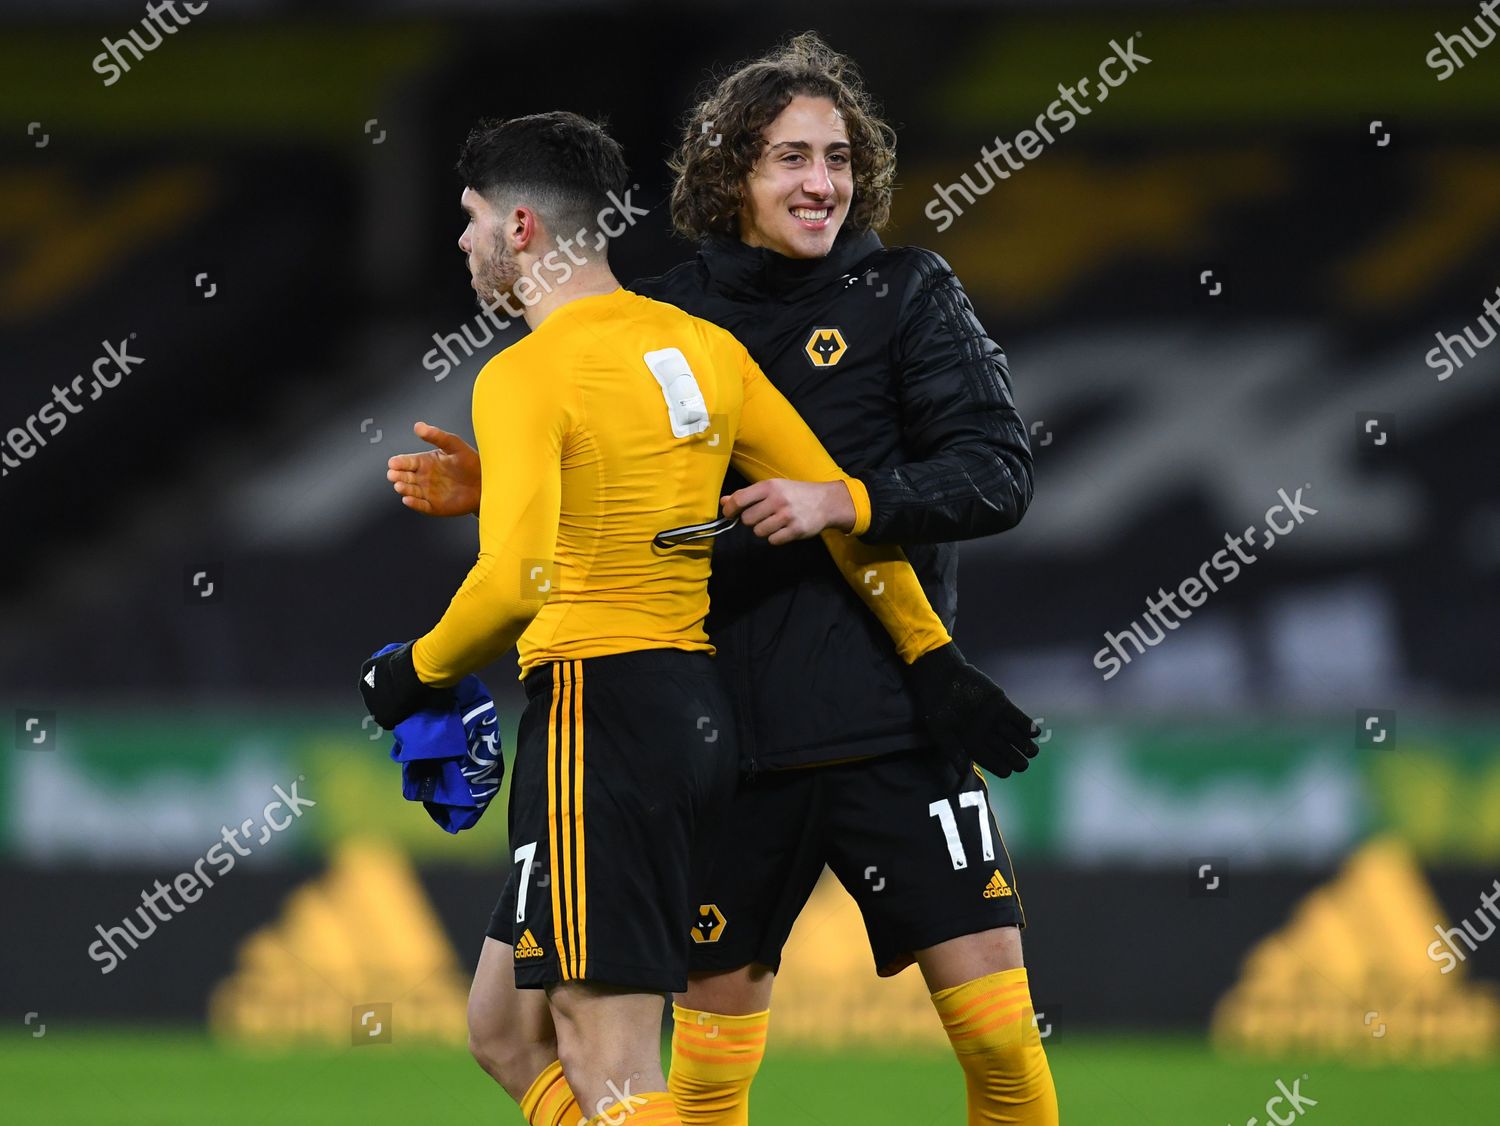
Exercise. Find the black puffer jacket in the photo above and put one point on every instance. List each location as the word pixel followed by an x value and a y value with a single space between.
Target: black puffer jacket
pixel 879 350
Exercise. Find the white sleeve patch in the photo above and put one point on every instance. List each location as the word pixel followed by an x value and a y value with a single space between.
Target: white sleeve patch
pixel 685 406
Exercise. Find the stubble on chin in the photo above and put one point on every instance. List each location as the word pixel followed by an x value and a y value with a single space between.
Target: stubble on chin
pixel 496 277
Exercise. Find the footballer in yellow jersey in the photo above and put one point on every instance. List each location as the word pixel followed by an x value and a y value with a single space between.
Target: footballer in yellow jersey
pixel 615 419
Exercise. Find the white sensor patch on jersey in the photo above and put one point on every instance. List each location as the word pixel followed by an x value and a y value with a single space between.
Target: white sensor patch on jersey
pixel 685 406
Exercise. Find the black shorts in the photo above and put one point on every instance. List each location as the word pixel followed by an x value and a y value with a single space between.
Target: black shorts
pixel 910 836
pixel 624 767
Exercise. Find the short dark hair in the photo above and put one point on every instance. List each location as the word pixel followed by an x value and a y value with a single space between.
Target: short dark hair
pixel 560 163
pixel 721 136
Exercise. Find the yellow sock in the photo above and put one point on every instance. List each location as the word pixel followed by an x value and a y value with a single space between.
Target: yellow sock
pixel 714 1059
pixel 651 1109
pixel 992 1027
pixel 549 1101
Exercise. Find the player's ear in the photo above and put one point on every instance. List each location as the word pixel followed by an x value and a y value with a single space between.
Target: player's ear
pixel 521 228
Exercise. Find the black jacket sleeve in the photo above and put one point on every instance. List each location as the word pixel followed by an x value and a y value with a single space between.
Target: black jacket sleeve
pixel 970 473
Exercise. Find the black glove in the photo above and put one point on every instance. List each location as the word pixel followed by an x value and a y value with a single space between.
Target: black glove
pixel 968 714
pixel 388 682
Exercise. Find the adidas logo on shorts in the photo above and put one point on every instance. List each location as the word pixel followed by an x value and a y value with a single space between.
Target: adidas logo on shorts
pixel 997 888
pixel 528 948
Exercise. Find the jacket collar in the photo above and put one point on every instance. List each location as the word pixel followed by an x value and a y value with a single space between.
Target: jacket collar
pixel 753 273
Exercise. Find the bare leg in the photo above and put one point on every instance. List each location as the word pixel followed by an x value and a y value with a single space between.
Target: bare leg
pixel 609 1042
pixel 971 956
pixel 510 1030
pixel 731 992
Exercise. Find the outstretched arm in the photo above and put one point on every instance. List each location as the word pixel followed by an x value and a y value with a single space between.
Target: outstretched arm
pixel 443 481
pixel 520 427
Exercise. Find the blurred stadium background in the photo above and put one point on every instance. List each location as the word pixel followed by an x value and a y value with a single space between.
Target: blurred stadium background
pixel 1235 854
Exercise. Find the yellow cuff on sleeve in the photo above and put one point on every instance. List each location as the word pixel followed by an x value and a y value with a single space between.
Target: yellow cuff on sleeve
pixel 861 498
pixel 427 672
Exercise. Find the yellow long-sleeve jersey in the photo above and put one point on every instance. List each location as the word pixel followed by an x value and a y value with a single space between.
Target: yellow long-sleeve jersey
pixel 614 420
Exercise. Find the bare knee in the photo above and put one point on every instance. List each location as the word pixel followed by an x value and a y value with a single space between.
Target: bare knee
pixel 510 1030
pixel 737 992
pixel 970 957
pixel 608 1040
pixel 510 1058
pixel 592 1052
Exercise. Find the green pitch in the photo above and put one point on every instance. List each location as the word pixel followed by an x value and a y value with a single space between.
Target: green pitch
pixel 140 1078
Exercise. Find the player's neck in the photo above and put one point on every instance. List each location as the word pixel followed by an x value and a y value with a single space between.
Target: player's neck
pixel 589 282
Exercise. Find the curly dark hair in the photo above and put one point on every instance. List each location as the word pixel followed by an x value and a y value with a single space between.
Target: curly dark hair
pixel 738 106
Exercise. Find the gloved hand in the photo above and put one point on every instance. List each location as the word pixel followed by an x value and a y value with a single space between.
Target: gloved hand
pixel 969 715
pixel 388 682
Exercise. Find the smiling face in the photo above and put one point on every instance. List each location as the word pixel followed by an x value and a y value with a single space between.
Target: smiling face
pixel 798 193
pixel 493 269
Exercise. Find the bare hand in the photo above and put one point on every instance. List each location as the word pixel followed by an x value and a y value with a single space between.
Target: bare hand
pixel 440 482
pixel 783 511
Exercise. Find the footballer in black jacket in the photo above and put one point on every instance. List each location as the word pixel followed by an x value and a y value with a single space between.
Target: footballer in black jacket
pixel 784 174
pixel 880 352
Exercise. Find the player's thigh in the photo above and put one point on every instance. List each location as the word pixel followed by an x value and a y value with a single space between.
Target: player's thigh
pixel 970 956
pixel 737 992
pixel 499 1013
pixel 914 840
pixel 602 1015
pixel 605 1036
